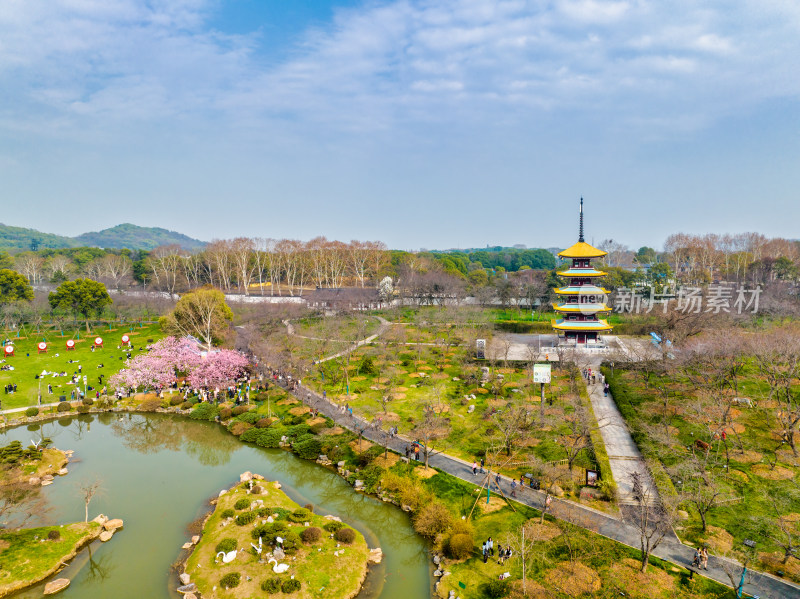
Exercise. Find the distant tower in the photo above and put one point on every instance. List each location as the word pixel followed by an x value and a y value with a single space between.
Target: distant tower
pixel 582 300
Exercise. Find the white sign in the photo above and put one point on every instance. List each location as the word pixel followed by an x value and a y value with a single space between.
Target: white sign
pixel 541 373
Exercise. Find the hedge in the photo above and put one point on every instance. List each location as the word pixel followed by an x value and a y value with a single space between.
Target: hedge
pixel 204 411
pixel 599 447
pixel 627 403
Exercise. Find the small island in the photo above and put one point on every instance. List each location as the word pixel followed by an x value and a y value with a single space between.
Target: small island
pixel 257 542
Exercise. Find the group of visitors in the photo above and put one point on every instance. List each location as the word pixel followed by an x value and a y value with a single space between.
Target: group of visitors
pixel 700 558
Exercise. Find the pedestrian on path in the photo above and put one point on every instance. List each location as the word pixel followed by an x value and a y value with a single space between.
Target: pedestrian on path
pixel 474 468
pixel 704 558
pixel 513 488
pixel 482 463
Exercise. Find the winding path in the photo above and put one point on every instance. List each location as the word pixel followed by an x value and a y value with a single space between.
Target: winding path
pixel 624 456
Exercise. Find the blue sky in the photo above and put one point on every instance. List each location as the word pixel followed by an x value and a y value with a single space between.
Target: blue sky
pixel 422 123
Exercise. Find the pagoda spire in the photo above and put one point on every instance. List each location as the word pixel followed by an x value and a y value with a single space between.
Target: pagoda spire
pixel 580 229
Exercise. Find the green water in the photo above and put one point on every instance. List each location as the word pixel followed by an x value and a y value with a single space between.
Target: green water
pixel 158 474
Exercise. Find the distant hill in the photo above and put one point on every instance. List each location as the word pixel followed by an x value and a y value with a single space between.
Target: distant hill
pixel 138 238
pixel 16 239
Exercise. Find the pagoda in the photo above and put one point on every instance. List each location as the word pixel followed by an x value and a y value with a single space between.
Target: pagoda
pixel 582 300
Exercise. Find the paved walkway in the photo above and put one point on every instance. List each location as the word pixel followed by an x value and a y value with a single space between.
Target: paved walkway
pixel 622 452
pixel 671 549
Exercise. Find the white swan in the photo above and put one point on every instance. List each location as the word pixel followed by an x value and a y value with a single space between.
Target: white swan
pixel 278 568
pixel 227 557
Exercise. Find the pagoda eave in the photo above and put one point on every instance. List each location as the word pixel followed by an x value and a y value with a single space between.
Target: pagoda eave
pixel 581 326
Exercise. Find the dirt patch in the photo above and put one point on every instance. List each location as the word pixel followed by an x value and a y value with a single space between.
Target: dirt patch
pixel 425 472
pixel 737 427
pixel 387 462
pixel 773 562
pixel 441 408
pixel 402 389
pixel 530 442
pixel 336 430
pixel 440 376
pixel 627 575
pixel 482 391
pixel 748 457
pixel 299 410
pixel 533 590
pixel 383 380
pixel 313 421
pixel 542 532
pixel 425 367
pixel 777 473
pixel 740 475
pixel 497 403
pixel 495 503
pixel 574 579
pixel 673 430
pixel 787 457
pixel 357 446
pixel 360 377
pixel 719 540
pixel 414 375
pixel 4 545
pixel 390 416
pixel 398 395
pixel 289 401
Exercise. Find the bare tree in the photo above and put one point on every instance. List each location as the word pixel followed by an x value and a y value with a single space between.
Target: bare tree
pixel 652 519
pixel 87 491
pixel 433 425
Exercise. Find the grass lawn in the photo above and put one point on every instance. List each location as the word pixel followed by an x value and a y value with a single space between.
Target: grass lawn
pixel 28 556
pixel 27 362
pixel 748 466
pixel 411 364
pixel 321 573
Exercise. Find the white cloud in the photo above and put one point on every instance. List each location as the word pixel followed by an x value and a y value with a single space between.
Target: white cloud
pixel 394 63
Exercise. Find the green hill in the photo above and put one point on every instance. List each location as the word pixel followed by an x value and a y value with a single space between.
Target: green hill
pixel 16 239
pixel 138 238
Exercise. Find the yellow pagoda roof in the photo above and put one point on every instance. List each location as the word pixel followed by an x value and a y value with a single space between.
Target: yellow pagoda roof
pixel 582 250
pixel 582 308
pixel 581 325
pixel 582 290
pixel 581 272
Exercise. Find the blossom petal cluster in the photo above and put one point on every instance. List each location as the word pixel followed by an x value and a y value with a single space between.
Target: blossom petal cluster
pixel 170 358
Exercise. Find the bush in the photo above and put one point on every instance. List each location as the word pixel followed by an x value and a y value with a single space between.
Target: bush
pixel 54 535
pixel 242 504
pixel 345 535
pixel 292 420
pixel 226 545
pixel 271 586
pixel 432 519
pixel 238 410
pixel 311 535
pixel 249 417
pixel 64 406
pixel 82 409
pixel 319 427
pixel 149 405
pixel 31 412
pixel 291 541
pixel 308 449
pixel 87 401
pixel 290 586
pixel 459 546
pixel 245 518
pixel 309 507
pixel 367 366
pixel 301 514
pixel 204 411
pixel 228 513
pixel 265 422
pixel 186 405
pixel 333 526
pixel 230 580
pixel 224 413
pixel 496 589
pixel 175 400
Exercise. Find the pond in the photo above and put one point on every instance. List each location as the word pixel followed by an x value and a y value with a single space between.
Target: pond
pixel 158 474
